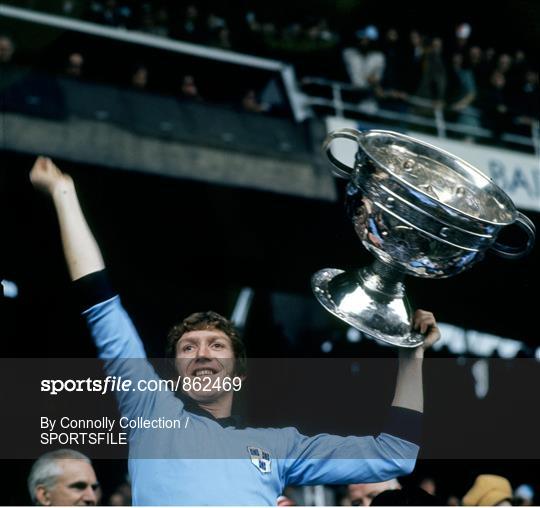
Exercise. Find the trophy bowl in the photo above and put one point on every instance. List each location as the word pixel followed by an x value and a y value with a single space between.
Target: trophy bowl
pixel 420 211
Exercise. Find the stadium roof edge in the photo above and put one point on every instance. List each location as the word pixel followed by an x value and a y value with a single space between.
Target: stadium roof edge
pixel 286 70
pixel 140 38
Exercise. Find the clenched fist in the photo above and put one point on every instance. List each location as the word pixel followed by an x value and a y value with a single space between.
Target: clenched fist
pixel 46 177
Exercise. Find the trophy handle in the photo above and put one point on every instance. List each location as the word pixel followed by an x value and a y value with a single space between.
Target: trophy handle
pixel 340 169
pixel 508 252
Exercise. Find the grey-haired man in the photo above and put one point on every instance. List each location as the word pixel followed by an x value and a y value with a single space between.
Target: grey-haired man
pixel 63 478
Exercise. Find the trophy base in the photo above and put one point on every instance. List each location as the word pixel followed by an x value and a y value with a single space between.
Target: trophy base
pixel 369 302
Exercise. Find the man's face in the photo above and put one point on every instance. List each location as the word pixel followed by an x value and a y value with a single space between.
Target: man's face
pixel 76 486
pixel 6 49
pixel 361 494
pixel 207 355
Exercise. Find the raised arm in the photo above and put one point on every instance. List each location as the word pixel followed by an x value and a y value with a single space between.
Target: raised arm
pixel 409 386
pixel 113 332
pixel 80 247
pixel 309 460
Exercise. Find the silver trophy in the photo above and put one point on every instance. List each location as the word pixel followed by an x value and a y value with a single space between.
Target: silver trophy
pixel 420 211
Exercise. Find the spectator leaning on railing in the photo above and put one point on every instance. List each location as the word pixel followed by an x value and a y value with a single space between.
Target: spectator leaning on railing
pixel 432 84
pixel 494 105
pixel 461 93
pixel 393 84
pixel 364 62
pixel 527 98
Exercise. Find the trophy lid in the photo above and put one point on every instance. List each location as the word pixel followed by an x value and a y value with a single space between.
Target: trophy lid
pixel 439 175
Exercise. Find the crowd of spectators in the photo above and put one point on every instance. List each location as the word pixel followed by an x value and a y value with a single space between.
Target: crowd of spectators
pixel 403 69
pixel 139 75
pixel 474 84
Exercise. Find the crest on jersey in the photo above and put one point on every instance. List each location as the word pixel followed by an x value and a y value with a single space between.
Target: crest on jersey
pixel 260 459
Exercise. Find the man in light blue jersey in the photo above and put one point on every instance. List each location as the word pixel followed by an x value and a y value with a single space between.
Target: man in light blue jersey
pixel 213 460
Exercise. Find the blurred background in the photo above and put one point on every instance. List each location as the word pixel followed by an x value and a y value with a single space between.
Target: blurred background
pixel 193 133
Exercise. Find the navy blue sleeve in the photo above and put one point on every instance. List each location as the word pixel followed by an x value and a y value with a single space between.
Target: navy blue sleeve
pixel 404 423
pixel 92 289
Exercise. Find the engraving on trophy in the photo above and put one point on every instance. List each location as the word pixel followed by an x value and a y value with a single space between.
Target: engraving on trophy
pixel 420 211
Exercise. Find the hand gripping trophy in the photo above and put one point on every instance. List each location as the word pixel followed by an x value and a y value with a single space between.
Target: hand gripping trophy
pixel 420 211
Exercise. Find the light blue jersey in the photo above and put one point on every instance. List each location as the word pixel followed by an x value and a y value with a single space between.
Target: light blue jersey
pixel 248 466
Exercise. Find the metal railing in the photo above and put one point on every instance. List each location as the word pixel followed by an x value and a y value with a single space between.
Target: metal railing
pixel 433 116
